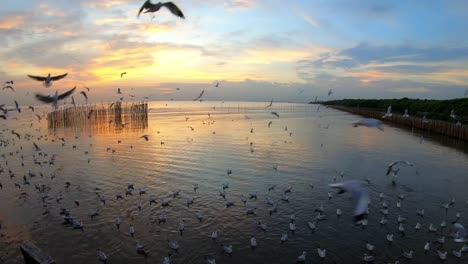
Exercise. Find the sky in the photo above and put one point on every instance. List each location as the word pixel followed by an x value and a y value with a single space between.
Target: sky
pixel 258 49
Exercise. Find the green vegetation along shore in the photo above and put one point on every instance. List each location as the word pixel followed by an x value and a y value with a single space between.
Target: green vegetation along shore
pixel 432 109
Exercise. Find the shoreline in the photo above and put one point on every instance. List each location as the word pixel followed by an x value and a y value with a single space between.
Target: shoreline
pixel 433 126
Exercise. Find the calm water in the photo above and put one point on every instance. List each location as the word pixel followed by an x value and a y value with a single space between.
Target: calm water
pixel 321 142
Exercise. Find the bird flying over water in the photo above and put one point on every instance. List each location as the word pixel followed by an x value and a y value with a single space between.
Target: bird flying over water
pixel 201 94
pixel 390 166
pixel 47 80
pixel 389 112
pixel 330 92
pixel 271 103
pixel 149 7
pixel 84 94
pixel 369 122
pixel 275 113
pixel 122 74
pixel 217 84
pixel 8 87
pixel 460 233
pixel 359 194
pixel 54 99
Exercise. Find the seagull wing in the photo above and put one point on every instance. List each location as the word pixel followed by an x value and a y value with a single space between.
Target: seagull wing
pixel 201 94
pixel 58 77
pixel 174 9
pixel 66 94
pixel 84 94
pixel 146 5
pixel 44 98
pixel 37 78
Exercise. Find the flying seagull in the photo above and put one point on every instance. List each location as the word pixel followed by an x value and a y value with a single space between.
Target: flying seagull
pixel 11 82
pixel 359 194
pixel 274 113
pixel 48 80
pixel 330 92
pixel 122 74
pixel 217 84
pixel 389 112
pixel 84 94
pixel 460 233
pixel 201 94
pixel 369 122
pixel 17 108
pixel 390 166
pixel 54 99
pixel 8 87
pixel 149 7
pixel 271 103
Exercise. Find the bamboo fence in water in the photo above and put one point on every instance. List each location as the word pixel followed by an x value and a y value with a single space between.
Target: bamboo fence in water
pixel 435 126
pixel 100 116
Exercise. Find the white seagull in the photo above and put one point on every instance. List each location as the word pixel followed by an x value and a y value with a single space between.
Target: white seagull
pixel 359 194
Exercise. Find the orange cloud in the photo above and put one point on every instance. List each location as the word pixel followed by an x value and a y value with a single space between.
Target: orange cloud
pixel 10 22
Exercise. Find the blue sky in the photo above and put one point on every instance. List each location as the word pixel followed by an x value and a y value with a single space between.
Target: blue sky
pixel 257 48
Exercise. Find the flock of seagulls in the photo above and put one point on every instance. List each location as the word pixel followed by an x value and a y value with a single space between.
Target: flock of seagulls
pixel 358 190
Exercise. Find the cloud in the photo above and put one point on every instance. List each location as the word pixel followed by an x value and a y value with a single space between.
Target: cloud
pixel 310 21
pixel 365 53
pixel 240 4
pixel 412 90
pixel 12 21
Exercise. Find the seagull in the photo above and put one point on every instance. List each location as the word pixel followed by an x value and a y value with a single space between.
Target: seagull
pixel 302 257
pixel 8 87
pixel 214 234
pixel 369 246
pixel 227 249
pixel 84 94
pixel 460 233
pixel 269 123
pixel 17 108
pixel 48 80
pixel 390 166
pixel 271 103
pixel 427 246
pixel 406 115
pixel 442 255
pixel 146 137
pixel 54 99
pixel 253 242
pixel 102 256
pixel 330 92
pixel 369 122
pixel 118 91
pixel 201 94
pixel 359 193
pixel 388 113
pixel 408 255
pixel 217 84
pixel 284 238
pixel 322 252
pixel 149 7
pixel 122 74
pixel 275 113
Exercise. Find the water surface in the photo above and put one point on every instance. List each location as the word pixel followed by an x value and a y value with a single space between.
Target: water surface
pixel 306 147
